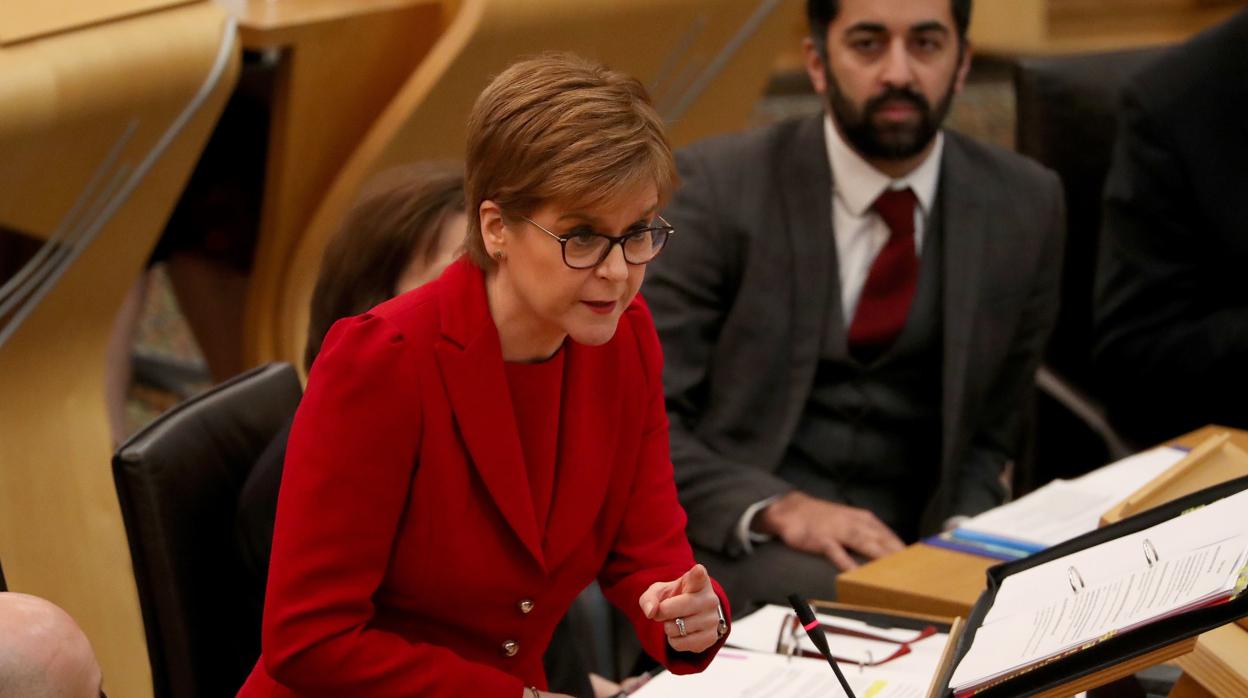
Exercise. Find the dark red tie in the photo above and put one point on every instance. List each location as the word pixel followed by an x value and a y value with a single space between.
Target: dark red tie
pixel 889 289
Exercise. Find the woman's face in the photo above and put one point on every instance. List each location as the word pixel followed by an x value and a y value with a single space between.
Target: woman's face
pixel 445 249
pixel 541 299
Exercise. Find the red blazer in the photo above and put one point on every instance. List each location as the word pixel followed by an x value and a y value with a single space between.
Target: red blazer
pixel 406 554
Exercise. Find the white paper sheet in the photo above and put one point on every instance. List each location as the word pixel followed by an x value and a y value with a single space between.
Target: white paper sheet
pixel 1064 509
pixel 743 674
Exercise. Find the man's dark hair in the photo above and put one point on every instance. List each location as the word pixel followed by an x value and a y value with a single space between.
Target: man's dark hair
pixel 820 14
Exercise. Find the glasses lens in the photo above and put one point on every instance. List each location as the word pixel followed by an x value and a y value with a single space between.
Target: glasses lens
pixel 584 250
pixel 644 245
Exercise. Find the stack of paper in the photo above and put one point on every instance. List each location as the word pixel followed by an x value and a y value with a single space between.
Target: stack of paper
pixel 1058 511
pixel 1187 562
pixel 745 674
pixel 751 668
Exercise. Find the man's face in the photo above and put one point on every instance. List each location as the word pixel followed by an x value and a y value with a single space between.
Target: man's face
pixel 891 70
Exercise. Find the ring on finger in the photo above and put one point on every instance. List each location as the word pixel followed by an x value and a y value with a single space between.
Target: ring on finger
pixel 680 626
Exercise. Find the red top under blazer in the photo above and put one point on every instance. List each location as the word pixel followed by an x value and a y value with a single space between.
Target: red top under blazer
pixel 406 556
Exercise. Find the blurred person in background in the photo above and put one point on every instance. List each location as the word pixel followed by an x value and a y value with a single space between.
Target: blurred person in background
pixel 1171 307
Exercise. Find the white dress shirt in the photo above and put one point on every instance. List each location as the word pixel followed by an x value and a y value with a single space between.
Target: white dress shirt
pixel 860 232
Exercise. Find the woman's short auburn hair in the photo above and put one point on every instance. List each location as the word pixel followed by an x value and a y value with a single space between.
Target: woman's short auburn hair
pixel 558 128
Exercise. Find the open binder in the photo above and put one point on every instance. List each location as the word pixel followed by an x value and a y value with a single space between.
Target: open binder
pixel 1110 657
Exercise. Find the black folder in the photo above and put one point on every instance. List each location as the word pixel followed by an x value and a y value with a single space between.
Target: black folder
pixel 1119 649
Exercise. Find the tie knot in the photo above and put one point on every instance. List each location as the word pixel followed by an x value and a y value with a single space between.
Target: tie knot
pixel 896 207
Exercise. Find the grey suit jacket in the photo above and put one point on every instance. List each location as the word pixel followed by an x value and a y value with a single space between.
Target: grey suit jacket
pixel 742 294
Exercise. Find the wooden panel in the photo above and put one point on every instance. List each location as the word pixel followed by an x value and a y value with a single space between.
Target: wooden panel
pixel 1219 662
pixel 1015 23
pixel 1187 687
pixel 75 94
pixel 1119 671
pixel 920 579
pixel 1073 26
pixel 342 63
pixel 21 20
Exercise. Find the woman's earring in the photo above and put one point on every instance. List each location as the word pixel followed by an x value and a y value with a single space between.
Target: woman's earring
pixel 498 255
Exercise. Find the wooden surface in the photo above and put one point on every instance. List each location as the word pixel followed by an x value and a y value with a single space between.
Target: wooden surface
pixel 1120 671
pixel 341 63
pixel 1031 27
pixel 920 579
pixel 22 21
pixel 1187 687
pixel 65 101
pixel 1220 661
pixel 706 62
pixel 927 579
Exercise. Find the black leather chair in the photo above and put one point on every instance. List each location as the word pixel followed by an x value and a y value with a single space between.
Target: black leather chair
pixel 1066 109
pixel 3 585
pixel 178 481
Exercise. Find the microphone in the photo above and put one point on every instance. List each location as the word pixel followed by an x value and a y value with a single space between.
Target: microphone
pixel 811 624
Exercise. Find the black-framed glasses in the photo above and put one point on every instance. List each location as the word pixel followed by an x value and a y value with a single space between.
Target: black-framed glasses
pixel 585 249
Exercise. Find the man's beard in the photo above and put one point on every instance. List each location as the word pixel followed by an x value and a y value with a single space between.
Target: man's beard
pixel 896 142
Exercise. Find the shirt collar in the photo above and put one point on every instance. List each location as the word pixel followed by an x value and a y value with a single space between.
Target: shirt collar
pixel 858 184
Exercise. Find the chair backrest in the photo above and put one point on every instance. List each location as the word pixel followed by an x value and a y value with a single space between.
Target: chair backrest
pixel 706 63
pixel 178 481
pixel 1067 110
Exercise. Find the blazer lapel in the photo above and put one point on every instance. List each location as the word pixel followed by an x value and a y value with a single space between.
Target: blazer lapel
pixel 471 360
pixel 806 187
pixel 965 234
pixel 592 414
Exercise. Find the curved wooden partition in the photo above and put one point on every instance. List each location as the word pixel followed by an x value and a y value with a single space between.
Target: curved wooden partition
pixel 705 61
pixel 100 127
pixel 340 63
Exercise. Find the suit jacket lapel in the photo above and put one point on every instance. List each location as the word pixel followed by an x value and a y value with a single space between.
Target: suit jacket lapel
pixel 806 187
pixel 471 360
pixel 965 234
pixel 591 418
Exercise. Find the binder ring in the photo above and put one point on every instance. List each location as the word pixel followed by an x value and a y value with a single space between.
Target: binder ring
pixel 1150 553
pixel 1073 576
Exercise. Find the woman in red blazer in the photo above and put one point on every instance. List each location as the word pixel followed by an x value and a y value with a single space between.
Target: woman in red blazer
pixel 470 455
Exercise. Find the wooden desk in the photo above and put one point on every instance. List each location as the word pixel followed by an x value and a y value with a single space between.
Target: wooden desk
pixel 1218 666
pixel 927 579
pixel 948 581
pixel 341 62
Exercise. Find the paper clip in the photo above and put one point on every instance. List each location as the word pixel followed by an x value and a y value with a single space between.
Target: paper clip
pixel 1072 575
pixel 1150 553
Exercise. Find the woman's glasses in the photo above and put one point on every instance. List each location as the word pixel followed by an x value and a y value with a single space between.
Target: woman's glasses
pixel 585 249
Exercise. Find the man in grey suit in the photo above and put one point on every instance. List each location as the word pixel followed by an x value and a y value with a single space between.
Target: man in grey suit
pixel 852 310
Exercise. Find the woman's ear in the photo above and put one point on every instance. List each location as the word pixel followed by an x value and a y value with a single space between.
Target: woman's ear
pixel 492 227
